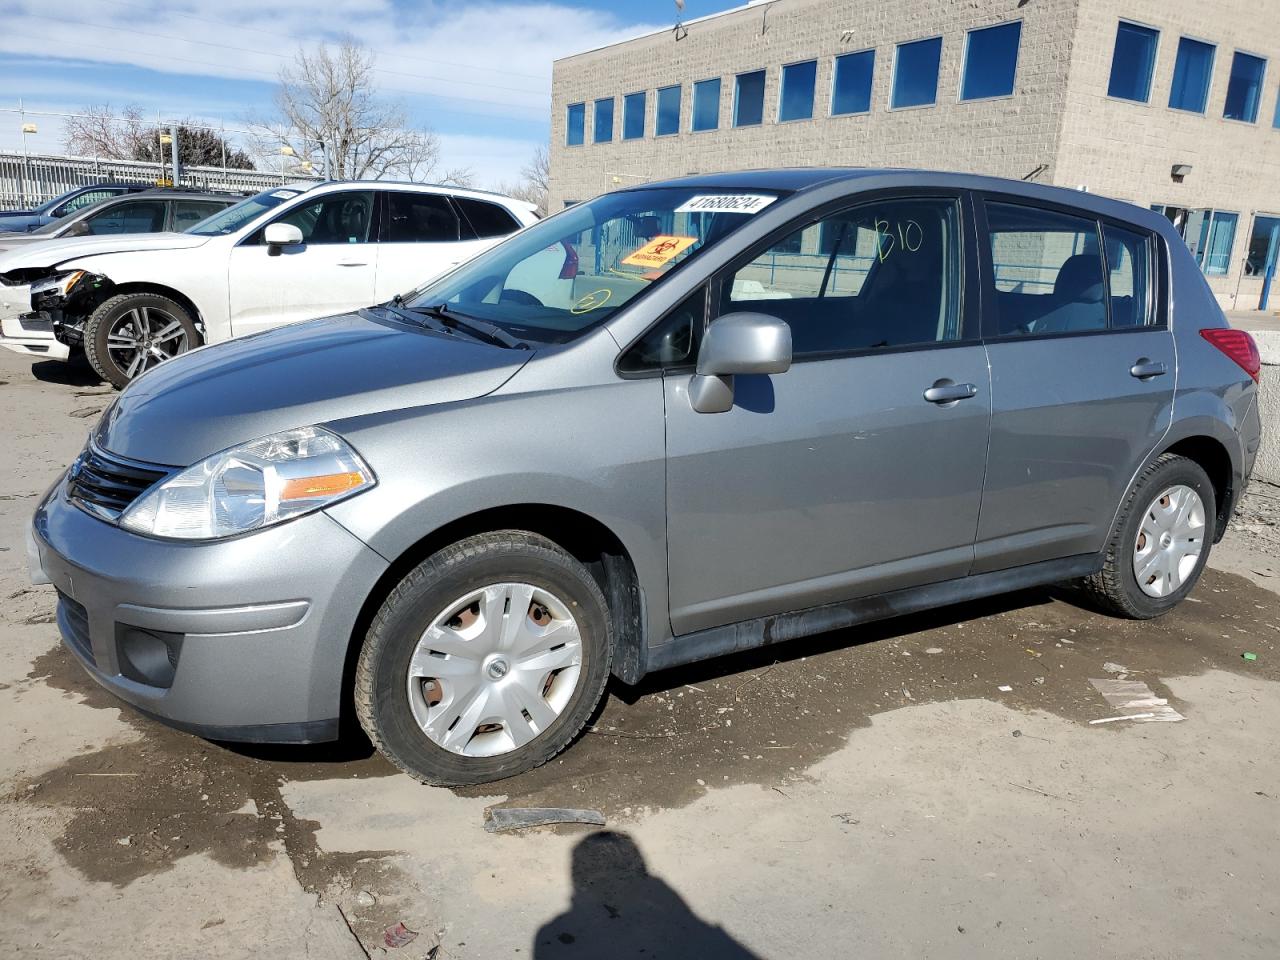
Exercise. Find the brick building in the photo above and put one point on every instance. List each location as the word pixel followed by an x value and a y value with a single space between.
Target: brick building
pixel 1171 104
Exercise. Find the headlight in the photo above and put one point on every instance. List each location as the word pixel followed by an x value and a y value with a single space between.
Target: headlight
pixel 251 486
pixel 59 283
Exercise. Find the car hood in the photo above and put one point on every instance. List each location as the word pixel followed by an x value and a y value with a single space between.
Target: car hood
pixel 58 251
pixel 306 373
pixel 12 241
pixel 21 221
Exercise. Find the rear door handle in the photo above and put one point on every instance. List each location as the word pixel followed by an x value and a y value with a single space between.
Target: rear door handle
pixel 946 391
pixel 1145 369
pixel 351 263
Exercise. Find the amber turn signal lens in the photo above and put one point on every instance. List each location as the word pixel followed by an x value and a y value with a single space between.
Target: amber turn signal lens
pixel 304 488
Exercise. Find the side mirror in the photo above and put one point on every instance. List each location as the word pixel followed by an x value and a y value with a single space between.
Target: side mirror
pixel 278 235
pixel 737 343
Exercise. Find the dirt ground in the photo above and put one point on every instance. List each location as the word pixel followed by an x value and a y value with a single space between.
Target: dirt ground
pixel 868 793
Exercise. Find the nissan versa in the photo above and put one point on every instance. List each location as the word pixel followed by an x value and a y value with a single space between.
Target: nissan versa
pixel 672 422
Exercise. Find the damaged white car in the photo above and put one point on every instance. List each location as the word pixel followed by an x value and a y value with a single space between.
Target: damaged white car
pixel 287 254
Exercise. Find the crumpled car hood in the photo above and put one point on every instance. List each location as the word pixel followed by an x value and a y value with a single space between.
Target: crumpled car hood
pixel 308 373
pixel 52 252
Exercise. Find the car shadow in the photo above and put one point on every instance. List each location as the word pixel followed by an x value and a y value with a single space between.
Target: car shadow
pixel 620 909
pixel 70 373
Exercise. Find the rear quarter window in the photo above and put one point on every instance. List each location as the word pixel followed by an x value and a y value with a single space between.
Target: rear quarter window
pixel 481 219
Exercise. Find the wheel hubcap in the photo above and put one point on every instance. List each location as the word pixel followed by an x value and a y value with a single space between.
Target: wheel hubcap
pixel 1169 542
pixel 144 336
pixel 495 669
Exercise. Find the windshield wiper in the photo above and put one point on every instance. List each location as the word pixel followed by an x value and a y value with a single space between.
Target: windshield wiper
pixel 480 329
pixel 415 317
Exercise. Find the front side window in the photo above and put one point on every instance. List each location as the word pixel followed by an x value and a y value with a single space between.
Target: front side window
pixel 1047 269
pixel 1132 62
pixel 851 84
pixel 602 129
pixel 881 275
pixel 576 127
pixel 1130 266
pixel 706 104
pixel 1244 87
pixel 420 218
pixel 633 116
pixel 748 99
pixel 796 99
pixel 915 74
pixel 570 273
pixel 82 201
pixel 991 61
pixel 1191 75
pixel 134 216
pixel 667 122
pixel 335 218
pixel 481 219
pixel 1264 246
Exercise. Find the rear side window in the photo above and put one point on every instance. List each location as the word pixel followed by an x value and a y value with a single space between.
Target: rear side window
pixel 1129 273
pixel 187 213
pixel 481 219
pixel 1048 271
pixel 420 218
pixel 877 276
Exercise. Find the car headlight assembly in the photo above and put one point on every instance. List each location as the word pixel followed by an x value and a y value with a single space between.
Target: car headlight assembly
pixel 59 284
pixel 251 486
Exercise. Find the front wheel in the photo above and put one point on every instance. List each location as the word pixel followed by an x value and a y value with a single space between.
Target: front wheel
pixel 131 333
pixel 1161 540
pixel 485 661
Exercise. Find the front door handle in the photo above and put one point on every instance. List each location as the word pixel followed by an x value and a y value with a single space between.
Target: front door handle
pixel 351 263
pixel 1145 369
pixel 946 391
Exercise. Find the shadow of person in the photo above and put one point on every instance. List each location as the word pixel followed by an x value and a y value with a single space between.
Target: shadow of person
pixel 619 909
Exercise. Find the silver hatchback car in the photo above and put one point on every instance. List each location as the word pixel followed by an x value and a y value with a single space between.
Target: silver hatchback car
pixel 672 422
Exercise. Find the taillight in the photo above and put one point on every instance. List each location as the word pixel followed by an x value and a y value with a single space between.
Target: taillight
pixel 1237 345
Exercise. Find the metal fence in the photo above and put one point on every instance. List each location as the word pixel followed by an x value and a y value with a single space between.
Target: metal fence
pixel 29 180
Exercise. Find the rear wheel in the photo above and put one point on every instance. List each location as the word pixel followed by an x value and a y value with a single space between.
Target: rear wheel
pixel 131 333
pixel 485 661
pixel 1161 540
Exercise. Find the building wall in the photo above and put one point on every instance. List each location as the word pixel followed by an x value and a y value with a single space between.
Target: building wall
pixel 1127 150
pixel 1008 137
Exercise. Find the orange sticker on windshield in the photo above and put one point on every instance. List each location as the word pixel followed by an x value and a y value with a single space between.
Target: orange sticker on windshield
pixel 660 250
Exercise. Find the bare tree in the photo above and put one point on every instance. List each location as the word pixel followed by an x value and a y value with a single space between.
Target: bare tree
pixel 331 118
pixel 532 185
pixel 100 132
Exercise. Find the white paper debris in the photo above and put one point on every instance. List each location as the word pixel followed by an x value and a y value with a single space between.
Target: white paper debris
pixel 1134 700
pixel 1005 688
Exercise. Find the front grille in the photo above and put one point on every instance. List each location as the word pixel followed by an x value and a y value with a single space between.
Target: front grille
pixel 105 485
pixel 74 620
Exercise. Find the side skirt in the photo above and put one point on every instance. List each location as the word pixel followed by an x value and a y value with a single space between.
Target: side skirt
pixel 717 641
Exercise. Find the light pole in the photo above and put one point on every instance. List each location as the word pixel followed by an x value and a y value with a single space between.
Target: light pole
pixel 26 163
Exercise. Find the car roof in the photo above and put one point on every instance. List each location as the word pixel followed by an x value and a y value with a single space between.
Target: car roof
pixel 802 179
pixel 409 185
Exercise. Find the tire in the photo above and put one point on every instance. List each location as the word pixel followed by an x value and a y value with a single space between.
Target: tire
pixel 1116 587
pixel 161 328
pixel 394 695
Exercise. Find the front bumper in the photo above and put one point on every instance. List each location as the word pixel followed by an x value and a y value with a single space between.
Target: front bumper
pixel 25 332
pixel 242 639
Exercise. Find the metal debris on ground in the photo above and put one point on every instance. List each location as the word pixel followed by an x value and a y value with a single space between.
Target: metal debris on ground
pixel 502 819
pixel 1134 700
pixel 398 935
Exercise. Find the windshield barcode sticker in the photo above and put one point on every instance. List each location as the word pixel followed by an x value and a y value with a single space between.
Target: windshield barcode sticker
pixel 725 203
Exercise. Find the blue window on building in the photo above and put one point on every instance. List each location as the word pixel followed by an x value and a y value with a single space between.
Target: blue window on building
pixel 1132 62
pixel 633 116
pixel 915 74
pixel 748 99
pixel 667 121
pixel 602 132
pixel 577 127
pixel 991 61
pixel 798 81
pixel 1191 75
pixel 1244 87
pixel 1217 237
pixel 851 84
pixel 706 104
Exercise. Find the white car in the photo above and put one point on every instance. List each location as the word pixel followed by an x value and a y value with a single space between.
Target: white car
pixel 287 254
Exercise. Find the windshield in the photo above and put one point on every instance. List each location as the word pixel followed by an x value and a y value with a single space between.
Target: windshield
pixel 234 217
pixel 571 272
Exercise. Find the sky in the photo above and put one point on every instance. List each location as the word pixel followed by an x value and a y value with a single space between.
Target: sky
pixel 476 72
